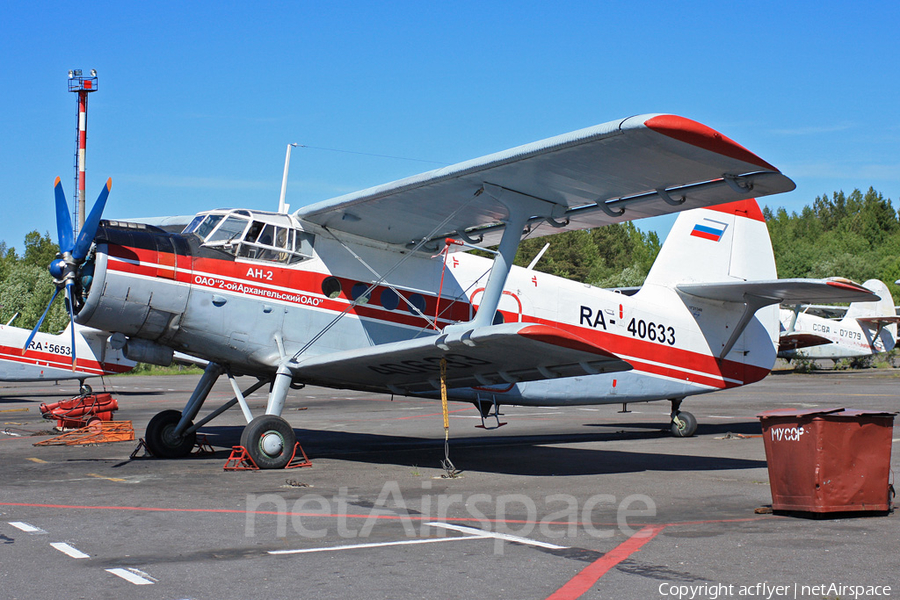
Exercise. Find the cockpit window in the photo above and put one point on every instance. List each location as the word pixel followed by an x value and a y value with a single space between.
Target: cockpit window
pixel 208 225
pixel 250 236
pixel 231 230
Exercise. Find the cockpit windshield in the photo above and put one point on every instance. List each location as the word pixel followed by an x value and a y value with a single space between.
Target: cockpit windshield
pixel 255 236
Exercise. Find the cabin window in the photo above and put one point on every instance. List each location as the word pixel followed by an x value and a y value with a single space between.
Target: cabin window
pixel 331 287
pixel 357 292
pixel 417 302
pixel 389 299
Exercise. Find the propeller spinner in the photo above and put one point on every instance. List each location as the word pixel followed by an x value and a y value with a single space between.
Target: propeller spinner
pixel 72 252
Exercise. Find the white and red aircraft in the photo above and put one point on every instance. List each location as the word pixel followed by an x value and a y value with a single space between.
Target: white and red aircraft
pixel 48 357
pixel 835 332
pixel 364 292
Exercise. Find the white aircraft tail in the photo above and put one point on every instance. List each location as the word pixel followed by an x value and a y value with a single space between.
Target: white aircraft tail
pixel 877 308
pixel 728 242
pixel 871 313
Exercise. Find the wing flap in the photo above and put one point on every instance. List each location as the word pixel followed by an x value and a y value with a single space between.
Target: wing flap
pixel 586 177
pixel 498 354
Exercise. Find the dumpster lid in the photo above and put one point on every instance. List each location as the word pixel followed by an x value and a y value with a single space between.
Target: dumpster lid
pixel 815 412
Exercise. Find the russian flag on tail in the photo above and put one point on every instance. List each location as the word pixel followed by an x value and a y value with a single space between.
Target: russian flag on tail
pixel 709 230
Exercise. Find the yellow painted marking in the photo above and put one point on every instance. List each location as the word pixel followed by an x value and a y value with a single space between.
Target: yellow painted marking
pixel 107 478
pixel 14 410
pixel 37 460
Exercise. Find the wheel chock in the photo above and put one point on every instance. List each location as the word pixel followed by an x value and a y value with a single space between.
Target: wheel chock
pixel 240 459
pixel 296 461
pixel 202 447
pixel 142 445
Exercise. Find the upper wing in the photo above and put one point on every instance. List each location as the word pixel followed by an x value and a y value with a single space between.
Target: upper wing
pixel 491 355
pixel 645 166
pixel 786 291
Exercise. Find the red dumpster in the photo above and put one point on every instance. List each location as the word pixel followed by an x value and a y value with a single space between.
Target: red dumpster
pixel 828 460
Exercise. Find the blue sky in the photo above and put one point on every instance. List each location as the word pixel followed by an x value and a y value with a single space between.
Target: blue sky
pixel 197 101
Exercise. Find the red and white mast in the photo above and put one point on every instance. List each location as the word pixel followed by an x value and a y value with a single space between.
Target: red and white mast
pixel 83 85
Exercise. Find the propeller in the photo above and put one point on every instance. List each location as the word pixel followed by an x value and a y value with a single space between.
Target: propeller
pixel 72 252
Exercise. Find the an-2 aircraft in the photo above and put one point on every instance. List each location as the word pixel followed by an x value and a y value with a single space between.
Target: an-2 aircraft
pixel 835 332
pixel 48 357
pixel 366 292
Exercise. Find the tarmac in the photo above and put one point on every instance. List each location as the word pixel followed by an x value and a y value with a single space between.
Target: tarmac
pixel 562 503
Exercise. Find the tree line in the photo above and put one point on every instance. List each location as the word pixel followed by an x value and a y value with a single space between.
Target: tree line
pixel 856 236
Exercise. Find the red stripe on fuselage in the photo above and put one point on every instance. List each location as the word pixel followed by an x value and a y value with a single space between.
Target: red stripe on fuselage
pixel 49 360
pixel 303 288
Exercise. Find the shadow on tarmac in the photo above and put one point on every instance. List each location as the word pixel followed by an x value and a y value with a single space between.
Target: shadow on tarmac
pixel 536 455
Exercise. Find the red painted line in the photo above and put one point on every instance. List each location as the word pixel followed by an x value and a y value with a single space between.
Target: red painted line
pixel 581 583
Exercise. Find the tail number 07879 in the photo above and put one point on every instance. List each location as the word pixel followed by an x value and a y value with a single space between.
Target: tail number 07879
pixel 655 332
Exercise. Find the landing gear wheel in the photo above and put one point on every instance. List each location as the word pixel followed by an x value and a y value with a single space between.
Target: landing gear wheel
pixel 684 424
pixel 269 441
pixel 161 439
pixel 86 390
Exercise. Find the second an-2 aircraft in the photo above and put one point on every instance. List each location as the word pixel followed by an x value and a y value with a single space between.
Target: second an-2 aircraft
pixel 370 291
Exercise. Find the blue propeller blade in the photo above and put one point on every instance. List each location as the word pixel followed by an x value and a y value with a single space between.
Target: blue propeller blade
pixel 40 322
pixel 87 233
pixel 70 295
pixel 63 220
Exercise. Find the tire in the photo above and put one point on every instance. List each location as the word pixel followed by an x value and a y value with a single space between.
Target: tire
pixel 684 424
pixel 160 440
pixel 269 441
pixel 86 390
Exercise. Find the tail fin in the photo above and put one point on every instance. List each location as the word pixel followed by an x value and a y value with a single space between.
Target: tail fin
pixel 728 242
pixel 869 313
pixel 877 308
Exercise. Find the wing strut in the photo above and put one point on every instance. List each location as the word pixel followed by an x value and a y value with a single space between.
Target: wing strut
pixel 522 209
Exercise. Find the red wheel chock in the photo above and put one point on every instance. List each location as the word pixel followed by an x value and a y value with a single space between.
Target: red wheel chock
pixel 240 459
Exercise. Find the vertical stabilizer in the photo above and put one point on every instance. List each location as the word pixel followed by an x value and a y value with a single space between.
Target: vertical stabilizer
pixel 885 334
pixel 728 242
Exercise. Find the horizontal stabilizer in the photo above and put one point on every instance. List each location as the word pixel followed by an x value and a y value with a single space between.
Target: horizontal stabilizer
pixel 796 341
pixel 878 322
pixel 780 291
pixel 497 354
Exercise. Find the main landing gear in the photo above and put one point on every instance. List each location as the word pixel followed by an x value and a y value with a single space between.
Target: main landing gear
pixel 684 424
pixel 269 439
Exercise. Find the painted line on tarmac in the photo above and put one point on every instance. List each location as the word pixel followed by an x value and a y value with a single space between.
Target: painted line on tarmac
pixel 116 479
pixel 377 545
pixel 499 536
pixel 27 528
pixel 137 578
pixel 70 550
pixel 584 581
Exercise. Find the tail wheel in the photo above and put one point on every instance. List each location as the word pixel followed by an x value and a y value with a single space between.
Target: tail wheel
pixel 161 439
pixel 684 424
pixel 269 441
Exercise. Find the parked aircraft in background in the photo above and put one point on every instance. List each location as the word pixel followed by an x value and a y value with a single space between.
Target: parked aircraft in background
pixel 861 329
pixel 48 357
pixel 368 291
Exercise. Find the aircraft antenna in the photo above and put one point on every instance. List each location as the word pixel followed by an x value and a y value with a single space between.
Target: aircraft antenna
pixel 282 207
pixel 82 85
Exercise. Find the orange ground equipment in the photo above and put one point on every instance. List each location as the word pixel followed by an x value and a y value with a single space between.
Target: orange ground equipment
pixel 77 412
